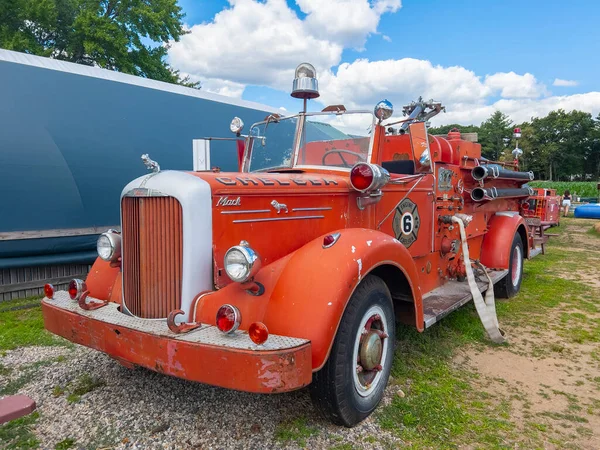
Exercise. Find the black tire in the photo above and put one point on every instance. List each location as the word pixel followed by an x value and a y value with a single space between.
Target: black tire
pixel 334 389
pixel 508 286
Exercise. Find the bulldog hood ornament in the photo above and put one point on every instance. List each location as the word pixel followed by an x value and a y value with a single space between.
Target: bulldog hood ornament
pixel 150 164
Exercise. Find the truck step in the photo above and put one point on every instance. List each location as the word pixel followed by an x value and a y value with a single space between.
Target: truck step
pixel 447 298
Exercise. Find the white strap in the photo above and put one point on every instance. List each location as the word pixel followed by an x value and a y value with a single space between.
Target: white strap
pixel 485 308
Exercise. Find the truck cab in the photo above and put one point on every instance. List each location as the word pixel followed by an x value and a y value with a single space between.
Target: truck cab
pixel 294 270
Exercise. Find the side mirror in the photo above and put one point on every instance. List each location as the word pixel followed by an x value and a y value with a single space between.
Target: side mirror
pixel 419 142
pixel 383 110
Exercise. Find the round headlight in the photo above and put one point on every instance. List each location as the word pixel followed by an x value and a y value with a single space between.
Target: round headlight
pixel 109 246
pixel 237 125
pixel 241 263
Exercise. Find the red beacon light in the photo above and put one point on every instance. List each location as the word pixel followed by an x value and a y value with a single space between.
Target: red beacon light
pixel 228 319
pixel 365 177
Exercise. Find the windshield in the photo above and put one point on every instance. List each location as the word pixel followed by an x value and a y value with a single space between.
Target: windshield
pixel 331 140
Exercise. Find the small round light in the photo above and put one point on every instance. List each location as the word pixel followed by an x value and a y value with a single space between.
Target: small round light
pixel 361 177
pixel 258 333
pixel 237 125
pixel 49 290
pixel 241 263
pixel 76 288
pixel 228 319
pixel 108 246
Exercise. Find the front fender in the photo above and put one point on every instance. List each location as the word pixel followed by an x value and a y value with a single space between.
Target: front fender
pixel 313 289
pixel 495 250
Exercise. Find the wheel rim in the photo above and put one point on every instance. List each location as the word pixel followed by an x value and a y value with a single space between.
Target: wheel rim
pixel 516 266
pixel 371 347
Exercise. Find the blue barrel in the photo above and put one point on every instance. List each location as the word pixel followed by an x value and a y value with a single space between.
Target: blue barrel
pixel 590 211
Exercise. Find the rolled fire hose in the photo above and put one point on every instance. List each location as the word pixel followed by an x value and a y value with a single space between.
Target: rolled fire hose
pixel 486 309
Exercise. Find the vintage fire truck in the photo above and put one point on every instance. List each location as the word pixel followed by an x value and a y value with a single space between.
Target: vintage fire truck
pixel 294 270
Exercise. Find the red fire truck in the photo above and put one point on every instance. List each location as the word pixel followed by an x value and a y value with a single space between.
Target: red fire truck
pixel 294 270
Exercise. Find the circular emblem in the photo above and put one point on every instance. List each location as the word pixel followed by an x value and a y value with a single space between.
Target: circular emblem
pixel 406 222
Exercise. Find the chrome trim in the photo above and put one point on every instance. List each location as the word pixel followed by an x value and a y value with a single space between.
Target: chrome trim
pixel 237 318
pixel 144 192
pixel 150 163
pixel 273 219
pixel 114 240
pixel 247 211
pixel 253 261
pixel 335 236
pixel 324 208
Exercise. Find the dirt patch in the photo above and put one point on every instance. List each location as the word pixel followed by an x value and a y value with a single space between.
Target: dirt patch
pixel 558 394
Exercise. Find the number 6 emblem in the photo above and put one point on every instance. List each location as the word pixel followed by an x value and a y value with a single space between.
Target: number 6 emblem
pixel 406 222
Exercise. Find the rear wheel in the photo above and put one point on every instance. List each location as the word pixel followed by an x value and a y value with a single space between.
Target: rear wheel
pixel 510 285
pixel 352 382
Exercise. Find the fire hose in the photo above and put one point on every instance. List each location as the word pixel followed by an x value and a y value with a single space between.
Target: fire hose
pixel 486 309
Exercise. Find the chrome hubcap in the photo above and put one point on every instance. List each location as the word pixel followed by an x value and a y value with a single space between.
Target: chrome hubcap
pixel 370 350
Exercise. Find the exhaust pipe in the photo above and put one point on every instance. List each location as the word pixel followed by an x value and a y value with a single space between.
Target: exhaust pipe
pixel 482 194
pixel 497 172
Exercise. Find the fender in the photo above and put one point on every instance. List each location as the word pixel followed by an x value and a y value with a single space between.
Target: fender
pixel 495 250
pixel 104 281
pixel 311 294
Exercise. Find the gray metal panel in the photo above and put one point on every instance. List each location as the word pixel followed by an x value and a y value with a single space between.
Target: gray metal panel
pixel 71 137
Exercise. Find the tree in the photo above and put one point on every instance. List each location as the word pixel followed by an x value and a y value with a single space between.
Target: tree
pixel 562 146
pixel 444 129
pixel 493 133
pixel 129 36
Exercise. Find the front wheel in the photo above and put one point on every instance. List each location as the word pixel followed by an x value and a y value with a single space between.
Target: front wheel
pixel 510 285
pixel 351 384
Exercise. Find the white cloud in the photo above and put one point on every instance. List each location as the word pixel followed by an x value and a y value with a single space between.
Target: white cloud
pixel 512 85
pixel 385 37
pixel 347 22
pixel 261 42
pixel 567 83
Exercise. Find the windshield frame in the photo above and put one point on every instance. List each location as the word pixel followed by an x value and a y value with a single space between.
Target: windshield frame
pixel 298 141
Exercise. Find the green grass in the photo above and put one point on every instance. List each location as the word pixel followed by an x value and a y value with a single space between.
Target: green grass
pixel 17 434
pixel 297 430
pixel 581 188
pixel 443 409
pixel 84 384
pixel 24 327
pixel 65 444
pixel 26 375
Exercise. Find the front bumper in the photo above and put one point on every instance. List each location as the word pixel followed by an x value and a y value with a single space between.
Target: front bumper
pixel 204 355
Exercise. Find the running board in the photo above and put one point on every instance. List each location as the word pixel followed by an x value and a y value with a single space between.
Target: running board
pixel 534 252
pixel 447 298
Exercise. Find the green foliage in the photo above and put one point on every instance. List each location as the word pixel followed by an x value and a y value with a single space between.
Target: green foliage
pixel 129 36
pixel 562 145
pixel 444 129
pixel 17 434
pixel 494 134
pixel 581 188
pixel 296 430
pixel 24 327
pixel 65 444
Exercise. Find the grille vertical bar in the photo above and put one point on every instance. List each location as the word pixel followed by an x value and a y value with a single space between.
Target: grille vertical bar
pixel 152 255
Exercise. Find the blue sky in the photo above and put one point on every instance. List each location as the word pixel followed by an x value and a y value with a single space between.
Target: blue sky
pixel 547 39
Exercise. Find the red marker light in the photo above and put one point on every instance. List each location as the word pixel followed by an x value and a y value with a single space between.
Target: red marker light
pixel 228 319
pixel 361 177
pixel 328 240
pixel 258 332
pixel 49 291
pixel 76 288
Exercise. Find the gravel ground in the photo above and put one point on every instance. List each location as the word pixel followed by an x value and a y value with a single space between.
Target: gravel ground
pixel 140 409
